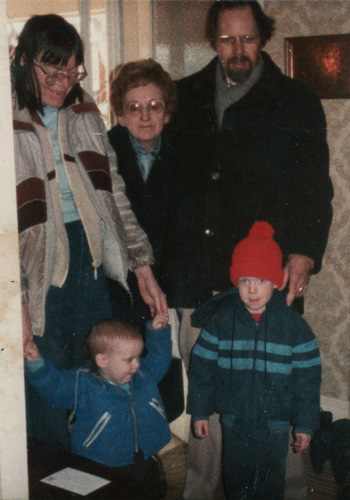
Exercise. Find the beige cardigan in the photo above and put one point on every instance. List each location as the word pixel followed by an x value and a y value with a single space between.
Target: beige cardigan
pixel 115 238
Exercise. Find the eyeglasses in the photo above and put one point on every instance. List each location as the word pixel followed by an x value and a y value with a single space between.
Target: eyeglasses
pixel 232 40
pixel 134 108
pixel 76 75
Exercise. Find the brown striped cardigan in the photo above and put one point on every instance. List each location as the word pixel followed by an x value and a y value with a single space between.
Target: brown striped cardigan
pixel 115 238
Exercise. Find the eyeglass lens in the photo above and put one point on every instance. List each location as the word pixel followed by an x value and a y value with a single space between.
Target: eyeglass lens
pixel 77 75
pixel 245 39
pixel 58 77
pixel 135 108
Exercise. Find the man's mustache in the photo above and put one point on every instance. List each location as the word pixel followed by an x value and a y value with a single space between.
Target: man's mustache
pixel 238 59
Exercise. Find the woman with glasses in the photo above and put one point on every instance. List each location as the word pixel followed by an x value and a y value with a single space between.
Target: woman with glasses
pixel 75 223
pixel 143 97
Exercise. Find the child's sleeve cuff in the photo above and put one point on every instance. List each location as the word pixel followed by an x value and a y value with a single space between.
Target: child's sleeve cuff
pixel 34 366
pixel 150 329
pixel 304 430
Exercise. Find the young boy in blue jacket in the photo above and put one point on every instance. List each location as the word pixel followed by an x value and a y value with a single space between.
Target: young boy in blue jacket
pixel 119 418
pixel 257 364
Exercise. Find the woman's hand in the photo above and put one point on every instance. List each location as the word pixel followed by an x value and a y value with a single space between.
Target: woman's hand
pixel 31 351
pixel 150 291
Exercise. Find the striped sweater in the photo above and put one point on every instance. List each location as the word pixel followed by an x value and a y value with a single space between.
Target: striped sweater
pixel 255 374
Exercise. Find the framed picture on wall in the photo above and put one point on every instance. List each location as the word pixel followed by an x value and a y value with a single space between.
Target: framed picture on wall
pixel 322 63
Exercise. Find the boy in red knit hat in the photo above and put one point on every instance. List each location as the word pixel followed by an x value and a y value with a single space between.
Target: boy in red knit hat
pixel 257 364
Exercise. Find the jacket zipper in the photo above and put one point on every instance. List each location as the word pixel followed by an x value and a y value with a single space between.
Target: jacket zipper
pixel 101 424
pixel 252 392
pixel 136 438
pixel 96 431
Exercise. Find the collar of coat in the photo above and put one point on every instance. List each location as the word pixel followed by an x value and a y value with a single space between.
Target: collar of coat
pixel 202 83
pixel 229 301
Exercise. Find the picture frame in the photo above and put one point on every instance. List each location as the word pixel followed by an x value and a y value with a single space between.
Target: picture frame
pixel 321 63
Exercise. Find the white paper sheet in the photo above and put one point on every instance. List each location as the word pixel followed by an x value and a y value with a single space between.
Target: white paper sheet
pixel 76 481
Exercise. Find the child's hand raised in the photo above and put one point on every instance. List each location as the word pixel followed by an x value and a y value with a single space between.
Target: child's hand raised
pixel 31 352
pixel 160 321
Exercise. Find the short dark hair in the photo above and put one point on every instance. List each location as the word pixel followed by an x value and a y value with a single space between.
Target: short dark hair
pixel 266 25
pixel 140 73
pixel 106 332
pixel 53 39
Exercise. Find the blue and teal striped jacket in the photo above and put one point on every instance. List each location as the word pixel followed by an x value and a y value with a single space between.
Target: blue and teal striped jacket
pixel 255 374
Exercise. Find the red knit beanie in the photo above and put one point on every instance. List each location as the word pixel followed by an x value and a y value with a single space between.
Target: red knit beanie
pixel 258 256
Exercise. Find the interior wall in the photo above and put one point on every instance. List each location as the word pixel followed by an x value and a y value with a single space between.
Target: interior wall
pixel 328 297
pixel 13 453
pixel 178 36
pixel 137 29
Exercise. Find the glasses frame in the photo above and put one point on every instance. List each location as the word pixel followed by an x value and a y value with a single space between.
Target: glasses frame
pixel 244 39
pixel 57 76
pixel 141 107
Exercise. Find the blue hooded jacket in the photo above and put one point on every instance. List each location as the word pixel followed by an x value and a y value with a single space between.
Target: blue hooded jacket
pixel 110 424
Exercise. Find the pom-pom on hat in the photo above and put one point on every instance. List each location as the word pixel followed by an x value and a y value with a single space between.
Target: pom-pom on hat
pixel 258 256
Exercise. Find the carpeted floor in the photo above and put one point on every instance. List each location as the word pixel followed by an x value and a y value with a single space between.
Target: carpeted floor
pixel 323 486
pixel 320 486
pixel 174 462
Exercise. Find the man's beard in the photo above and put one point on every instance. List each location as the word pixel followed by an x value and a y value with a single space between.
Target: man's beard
pixel 238 75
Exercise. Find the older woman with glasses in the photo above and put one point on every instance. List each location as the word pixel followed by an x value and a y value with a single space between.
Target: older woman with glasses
pixel 75 223
pixel 143 98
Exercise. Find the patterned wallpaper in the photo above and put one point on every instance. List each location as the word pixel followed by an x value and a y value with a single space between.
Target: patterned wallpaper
pixel 328 299
pixel 179 45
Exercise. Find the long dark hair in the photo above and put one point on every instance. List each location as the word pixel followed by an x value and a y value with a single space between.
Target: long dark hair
pixel 53 39
pixel 265 24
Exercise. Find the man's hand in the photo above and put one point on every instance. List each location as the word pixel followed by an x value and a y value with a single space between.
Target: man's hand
pixel 150 291
pixel 201 428
pixel 297 273
pixel 301 442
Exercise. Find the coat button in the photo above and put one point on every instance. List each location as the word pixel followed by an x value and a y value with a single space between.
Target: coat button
pixel 208 232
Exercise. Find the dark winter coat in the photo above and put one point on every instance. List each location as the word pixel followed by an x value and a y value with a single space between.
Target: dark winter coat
pixel 151 201
pixel 263 373
pixel 268 161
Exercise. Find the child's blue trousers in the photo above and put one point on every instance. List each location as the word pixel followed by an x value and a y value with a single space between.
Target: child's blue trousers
pixel 254 467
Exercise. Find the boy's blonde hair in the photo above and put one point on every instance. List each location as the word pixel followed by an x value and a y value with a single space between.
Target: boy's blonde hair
pixel 105 333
